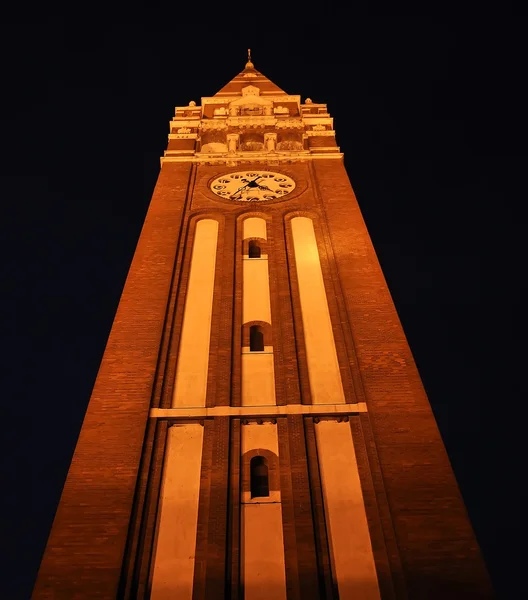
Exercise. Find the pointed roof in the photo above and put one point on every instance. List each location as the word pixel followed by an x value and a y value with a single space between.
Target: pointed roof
pixel 250 76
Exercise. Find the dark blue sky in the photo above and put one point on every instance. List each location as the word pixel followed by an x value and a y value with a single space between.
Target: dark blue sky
pixel 431 116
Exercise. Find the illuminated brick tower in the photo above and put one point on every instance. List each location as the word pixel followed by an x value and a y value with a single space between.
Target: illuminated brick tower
pixel 258 429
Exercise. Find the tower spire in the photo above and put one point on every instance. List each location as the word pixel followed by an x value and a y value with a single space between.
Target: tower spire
pixel 249 64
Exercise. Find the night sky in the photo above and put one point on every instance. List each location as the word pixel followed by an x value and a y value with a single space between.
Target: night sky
pixel 430 114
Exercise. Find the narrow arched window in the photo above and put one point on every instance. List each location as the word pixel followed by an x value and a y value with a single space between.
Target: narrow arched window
pixel 256 339
pixel 254 249
pixel 259 483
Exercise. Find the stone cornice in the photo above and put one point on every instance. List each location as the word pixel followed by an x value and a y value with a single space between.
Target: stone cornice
pixel 227 99
pixel 184 122
pixel 232 161
pixel 322 410
pixel 185 136
pixel 252 122
pixel 327 132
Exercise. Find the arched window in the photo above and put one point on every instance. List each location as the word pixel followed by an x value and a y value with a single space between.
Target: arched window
pixel 259 482
pixel 256 339
pixel 254 249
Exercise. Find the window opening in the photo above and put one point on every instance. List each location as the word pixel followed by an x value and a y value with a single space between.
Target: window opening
pixel 254 249
pixel 259 483
pixel 256 339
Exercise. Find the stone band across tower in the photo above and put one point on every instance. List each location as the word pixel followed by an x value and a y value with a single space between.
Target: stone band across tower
pixel 258 428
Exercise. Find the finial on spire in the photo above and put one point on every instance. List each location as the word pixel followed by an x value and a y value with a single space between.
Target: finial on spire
pixel 249 64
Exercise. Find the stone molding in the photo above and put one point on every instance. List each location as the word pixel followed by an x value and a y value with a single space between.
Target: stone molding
pixel 225 99
pixel 327 132
pixel 338 411
pixel 290 123
pixel 184 136
pixel 208 125
pixel 273 159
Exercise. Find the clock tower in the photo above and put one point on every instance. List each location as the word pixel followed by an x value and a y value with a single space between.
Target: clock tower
pixel 258 428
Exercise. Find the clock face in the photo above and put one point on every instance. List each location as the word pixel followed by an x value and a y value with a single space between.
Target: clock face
pixel 252 186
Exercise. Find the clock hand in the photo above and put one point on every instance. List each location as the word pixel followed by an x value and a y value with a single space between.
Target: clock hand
pixel 239 189
pixel 252 183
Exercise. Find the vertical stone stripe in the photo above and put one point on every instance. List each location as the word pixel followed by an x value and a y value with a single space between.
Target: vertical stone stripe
pixel 254 227
pixel 193 357
pixel 203 512
pixel 327 582
pixel 173 565
pixel 296 317
pixel 323 367
pixel 350 545
pixel 258 376
pixel 262 537
pixel 256 297
pixel 263 552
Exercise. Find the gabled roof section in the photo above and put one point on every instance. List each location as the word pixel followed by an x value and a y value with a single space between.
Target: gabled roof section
pixel 250 76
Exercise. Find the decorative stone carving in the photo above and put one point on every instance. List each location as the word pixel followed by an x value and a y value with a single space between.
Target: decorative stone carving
pixel 232 142
pixel 192 103
pixel 249 110
pixel 289 145
pixel 326 132
pixel 308 101
pixel 209 125
pixel 251 146
pixel 270 141
pixel 250 90
pixel 251 142
pixel 213 147
pixel 278 98
pixel 281 110
pixel 251 122
pixel 290 124
pixel 177 122
pixel 220 112
pixel 248 75
pixel 250 106
pixel 319 128
pixel 184 130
